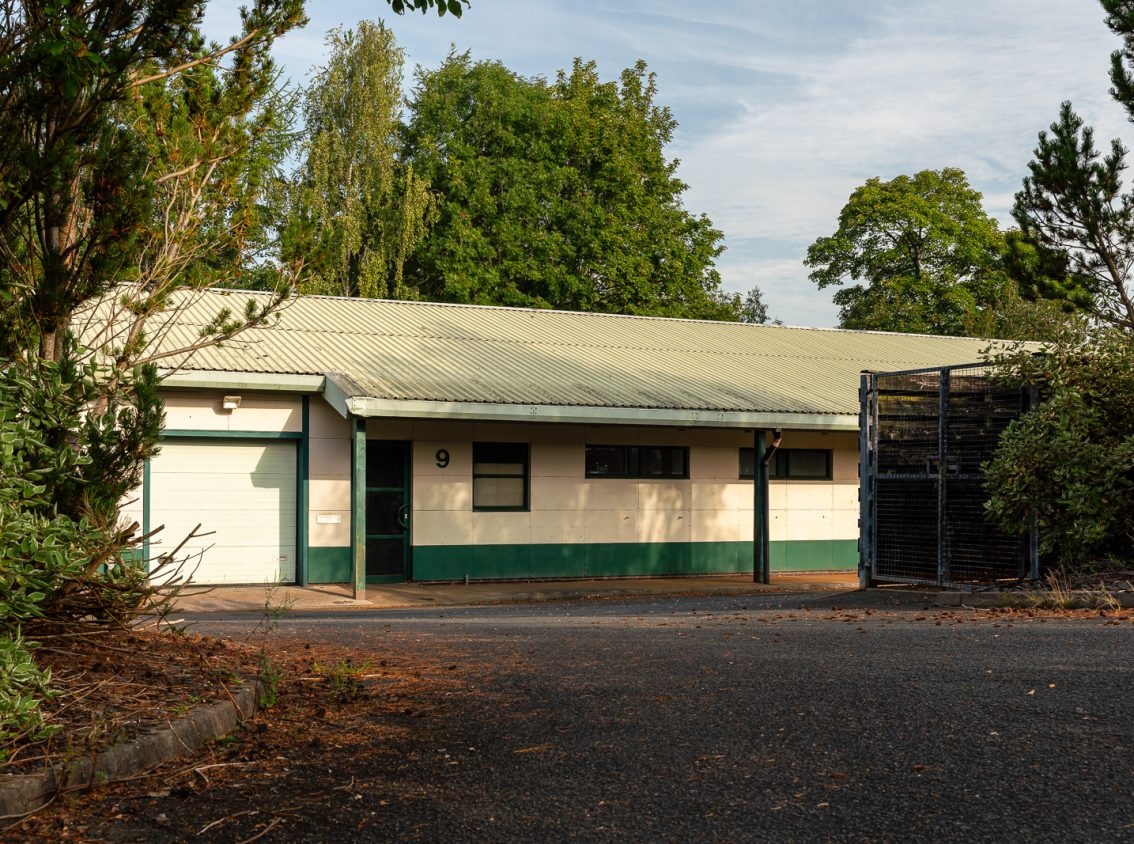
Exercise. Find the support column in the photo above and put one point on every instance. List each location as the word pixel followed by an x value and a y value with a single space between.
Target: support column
pixel 760 568
pixel 358 509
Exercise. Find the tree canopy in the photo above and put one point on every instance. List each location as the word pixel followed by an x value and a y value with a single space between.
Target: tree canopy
pixel 556 194
pixel 354 210
pixel 925 254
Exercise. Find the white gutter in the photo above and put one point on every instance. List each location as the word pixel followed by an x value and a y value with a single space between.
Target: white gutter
pixel 583 415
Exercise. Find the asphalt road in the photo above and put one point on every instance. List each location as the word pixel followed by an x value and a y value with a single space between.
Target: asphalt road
pixel 731 719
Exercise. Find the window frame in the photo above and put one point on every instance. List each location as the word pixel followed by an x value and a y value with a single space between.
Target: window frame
pixel 782 458
pixel 526 476
pixel 634 463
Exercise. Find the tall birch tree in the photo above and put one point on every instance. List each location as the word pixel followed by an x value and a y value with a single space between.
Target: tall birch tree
pixel 355 209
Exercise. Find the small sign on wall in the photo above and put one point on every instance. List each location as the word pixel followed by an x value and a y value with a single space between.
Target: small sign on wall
pixel 328 519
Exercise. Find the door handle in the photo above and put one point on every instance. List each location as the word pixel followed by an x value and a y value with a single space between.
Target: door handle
pixel 403 511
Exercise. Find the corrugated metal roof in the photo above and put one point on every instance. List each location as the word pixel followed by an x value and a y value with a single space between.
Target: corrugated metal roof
pixel 465 353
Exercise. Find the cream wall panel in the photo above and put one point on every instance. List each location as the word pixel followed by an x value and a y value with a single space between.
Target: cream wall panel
pixel 807 524
pixel 844 524
pixel 714 526
pixel 845 464
pixel 611 494
pixel 845 497
pixel 565 434
pixel 328 494
pixel 613 435
pixel 203 412
pixel 777 526
pixel 744 524
pixel 557 460
pixel 777 495
pixel 558 494
pixel 324 422
pixel 611 525
pixel 664 495
pixel 722 496
pixel 433 493
pixel 501 528
pixel 558 527
pixel 501 432
pixel 442 527
pixel 719 438
pixel 715 463
pixel 664 526
pixel 808 495
pixel 425 459
pixel 389 429
pixel 329 459
pixel 328 536
pixel 448 432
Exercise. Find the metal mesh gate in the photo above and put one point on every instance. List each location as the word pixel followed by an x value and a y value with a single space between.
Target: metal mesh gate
pixel 925 434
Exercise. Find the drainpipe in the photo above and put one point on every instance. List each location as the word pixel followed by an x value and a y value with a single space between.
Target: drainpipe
pixel 762 568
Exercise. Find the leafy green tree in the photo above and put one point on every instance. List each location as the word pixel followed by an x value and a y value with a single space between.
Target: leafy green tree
pixel 556 194
pixel 925 254
pixel 453 7
pixel 1067 466
pixel 355 210
pixel 753 309
pixel 133 160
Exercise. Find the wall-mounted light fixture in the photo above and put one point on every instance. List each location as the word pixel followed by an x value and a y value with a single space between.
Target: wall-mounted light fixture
pixel 230 403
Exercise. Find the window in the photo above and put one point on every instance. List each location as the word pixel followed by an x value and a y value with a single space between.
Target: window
pixel 801 464
pixel 500 476
pixel 637 461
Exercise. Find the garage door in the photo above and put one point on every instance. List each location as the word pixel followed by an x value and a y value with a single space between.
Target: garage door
pixel 243 492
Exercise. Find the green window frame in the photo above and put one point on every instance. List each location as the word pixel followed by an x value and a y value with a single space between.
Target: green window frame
pixel 496 468
pixel 793 464
pixel 636 461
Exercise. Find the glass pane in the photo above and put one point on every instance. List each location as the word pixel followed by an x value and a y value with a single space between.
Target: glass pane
pixel 607 460
pixel 382 512
pixel 384 557
pixel 498 492
pixel 385 464
pixel 747 466
pixel 808 463
pixel 677 462
pixel 498 469
pixel 663 461
pixel 653 461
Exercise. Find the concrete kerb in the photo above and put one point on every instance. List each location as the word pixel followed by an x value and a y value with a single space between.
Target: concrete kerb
pixel 24 794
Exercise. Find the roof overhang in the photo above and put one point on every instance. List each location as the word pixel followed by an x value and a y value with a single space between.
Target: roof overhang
pixel 271 382
pixel 367 407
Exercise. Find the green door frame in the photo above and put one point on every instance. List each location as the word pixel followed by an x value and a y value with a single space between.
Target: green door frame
pixel 300 438
pixel 404 489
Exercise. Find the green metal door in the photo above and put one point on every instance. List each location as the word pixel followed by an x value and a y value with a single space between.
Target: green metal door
pixel 387 511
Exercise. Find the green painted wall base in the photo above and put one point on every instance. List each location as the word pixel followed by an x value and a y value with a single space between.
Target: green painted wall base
pixel 499 562
pixel 328 565
pixel 629 559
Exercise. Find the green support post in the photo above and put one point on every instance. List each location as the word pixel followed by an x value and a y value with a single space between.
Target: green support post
pixel 760 567
pixel 358 509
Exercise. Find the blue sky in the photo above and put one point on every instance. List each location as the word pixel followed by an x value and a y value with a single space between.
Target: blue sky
pixel 785 106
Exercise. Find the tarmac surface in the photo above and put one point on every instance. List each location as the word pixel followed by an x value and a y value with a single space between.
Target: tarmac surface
pixel 772 717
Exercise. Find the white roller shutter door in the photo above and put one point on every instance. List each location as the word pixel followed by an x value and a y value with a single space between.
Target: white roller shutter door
pixel 241 491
